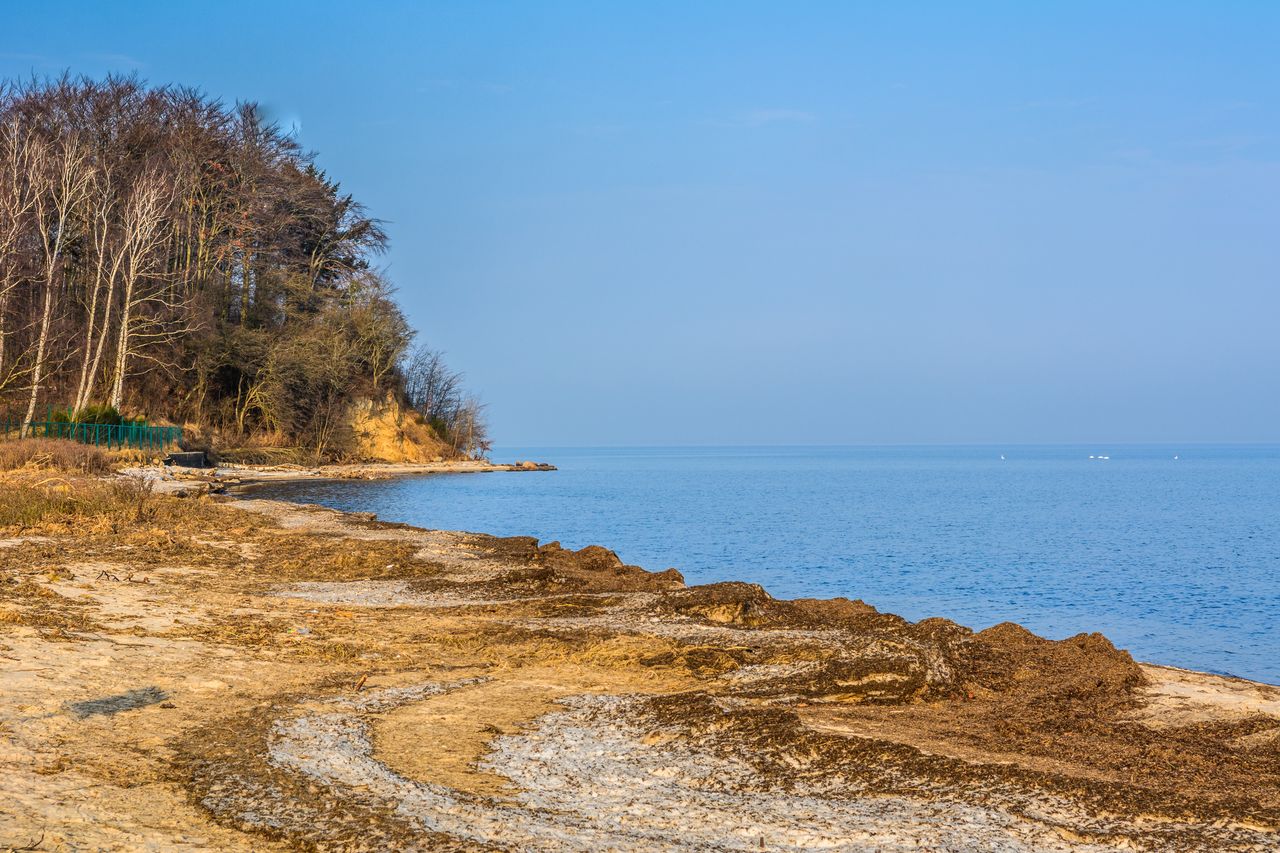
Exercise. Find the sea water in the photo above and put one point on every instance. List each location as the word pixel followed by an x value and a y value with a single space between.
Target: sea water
pixel 1172 552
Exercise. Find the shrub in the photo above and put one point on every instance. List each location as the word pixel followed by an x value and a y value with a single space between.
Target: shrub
pixel 98 413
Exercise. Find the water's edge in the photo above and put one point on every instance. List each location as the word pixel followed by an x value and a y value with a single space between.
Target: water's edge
pixel 1171 559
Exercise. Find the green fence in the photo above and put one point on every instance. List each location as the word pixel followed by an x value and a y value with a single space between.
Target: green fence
pixel 110 436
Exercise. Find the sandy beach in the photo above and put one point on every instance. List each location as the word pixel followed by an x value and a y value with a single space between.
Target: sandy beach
pixel 963 311
pixel 201 672
pixel 239 479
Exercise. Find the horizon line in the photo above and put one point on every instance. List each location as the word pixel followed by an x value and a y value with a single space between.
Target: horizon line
pixel 1201 443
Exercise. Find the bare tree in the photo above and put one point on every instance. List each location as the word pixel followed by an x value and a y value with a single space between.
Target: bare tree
pixel 17 201
pixel 470 432
pixel 431 386
pixel 145 232
pixel 62 174
pixel 109 254
pixel 437 392
pixel 381 333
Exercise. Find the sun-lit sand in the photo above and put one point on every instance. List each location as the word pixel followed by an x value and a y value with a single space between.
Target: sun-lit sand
pixel 257 675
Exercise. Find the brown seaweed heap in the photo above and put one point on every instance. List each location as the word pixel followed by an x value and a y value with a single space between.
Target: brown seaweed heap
pixel 256 675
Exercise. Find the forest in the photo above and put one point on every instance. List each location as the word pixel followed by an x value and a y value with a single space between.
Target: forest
pixel 169 257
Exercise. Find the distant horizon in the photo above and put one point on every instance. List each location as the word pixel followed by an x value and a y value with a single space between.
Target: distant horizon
pixel 984 444
pixel 688 225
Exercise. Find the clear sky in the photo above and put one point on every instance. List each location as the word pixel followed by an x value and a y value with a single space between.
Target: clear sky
pixel 720 223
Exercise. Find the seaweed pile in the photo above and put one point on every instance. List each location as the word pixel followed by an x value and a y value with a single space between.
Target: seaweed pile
pixel 345 684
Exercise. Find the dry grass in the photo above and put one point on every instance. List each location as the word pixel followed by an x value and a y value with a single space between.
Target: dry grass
pixel 53 454
pixel 269 455
pixel 34 500
pixel 28 504
pixel 33 605
pixel 124 456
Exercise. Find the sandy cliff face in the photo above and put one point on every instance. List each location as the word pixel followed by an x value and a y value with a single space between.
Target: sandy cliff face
pixel 384 431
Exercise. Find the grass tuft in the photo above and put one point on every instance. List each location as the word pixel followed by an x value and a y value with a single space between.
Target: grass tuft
pixel 53 454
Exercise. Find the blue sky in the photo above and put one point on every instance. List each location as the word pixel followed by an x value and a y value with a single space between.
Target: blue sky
pixel 655 223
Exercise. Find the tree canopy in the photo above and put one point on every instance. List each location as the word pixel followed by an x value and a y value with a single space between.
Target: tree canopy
pixel 165 253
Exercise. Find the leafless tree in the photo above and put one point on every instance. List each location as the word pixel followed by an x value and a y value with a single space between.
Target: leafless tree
pixel 109 247
pixel 469 433
pixel 17 202
pixel 438 393
pixel 431 386
pixel 145 232
pixel 62 174
pixel 381 333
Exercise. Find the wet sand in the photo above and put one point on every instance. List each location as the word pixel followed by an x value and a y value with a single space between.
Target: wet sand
pixel 252 674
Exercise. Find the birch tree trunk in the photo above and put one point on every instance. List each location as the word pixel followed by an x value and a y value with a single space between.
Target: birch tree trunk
pixel 63 180
pixel 90 379
pixel 122 352
pixel 101 241
pixel 144 236
pixel 16 203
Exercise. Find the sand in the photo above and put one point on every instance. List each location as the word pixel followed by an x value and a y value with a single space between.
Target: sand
pixel 256 675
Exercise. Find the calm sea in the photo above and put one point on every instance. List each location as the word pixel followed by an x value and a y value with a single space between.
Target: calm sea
pixel 1172 552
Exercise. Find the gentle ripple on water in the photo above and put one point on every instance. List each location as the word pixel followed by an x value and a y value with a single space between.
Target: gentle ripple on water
pixel 1175 560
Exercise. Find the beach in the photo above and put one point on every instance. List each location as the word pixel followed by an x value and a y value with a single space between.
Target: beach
pixel 891 382
pixel 203 672
pixel 176 479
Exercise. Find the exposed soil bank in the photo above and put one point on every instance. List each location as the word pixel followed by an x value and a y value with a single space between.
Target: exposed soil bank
pixel 256 675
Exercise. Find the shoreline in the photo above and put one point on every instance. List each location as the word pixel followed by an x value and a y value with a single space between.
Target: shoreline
pixel 245 482
pixel 239 479
pixel 239 483
pixel 243 489
pixel 345 682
